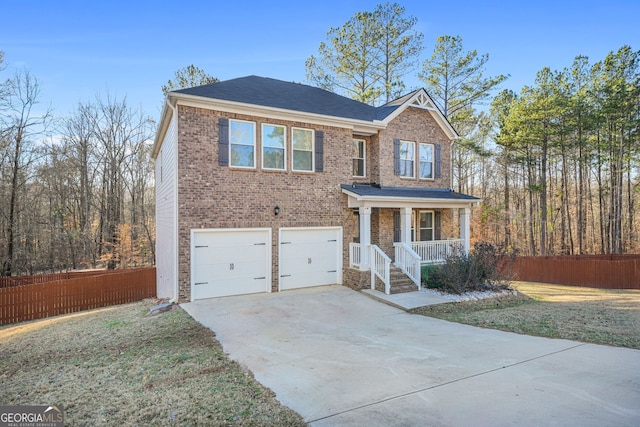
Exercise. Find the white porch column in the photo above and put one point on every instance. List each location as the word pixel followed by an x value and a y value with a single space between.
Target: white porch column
pixel 365 236
pixel 405 225
pixel 465 229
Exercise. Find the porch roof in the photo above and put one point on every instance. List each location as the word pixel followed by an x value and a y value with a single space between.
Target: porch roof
pixel 362 195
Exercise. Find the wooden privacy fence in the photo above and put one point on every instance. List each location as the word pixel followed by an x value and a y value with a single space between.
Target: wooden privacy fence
pixel 39 300
pixel 6 282
pixel 596 271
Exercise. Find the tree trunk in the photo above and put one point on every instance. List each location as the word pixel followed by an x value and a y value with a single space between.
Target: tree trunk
pixel 7 267
pixel 543 193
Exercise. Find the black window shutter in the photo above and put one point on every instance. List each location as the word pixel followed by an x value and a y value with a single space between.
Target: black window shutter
pixel 396 157
pixel 396 226
pixel 223 142
pixel 438 173
pixel 319 151
pixel 437 234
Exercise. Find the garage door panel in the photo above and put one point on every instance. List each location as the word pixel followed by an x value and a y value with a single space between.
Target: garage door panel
pixel 309 257
pixel 230 262
pixel 229 287
pixel 236 239
pixel 319 250
pixel 227 271
pixel 295 281
pixel 228 255
pixel 308 237
pixel 298 264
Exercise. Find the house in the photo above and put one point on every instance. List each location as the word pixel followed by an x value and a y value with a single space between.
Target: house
pixel 264 185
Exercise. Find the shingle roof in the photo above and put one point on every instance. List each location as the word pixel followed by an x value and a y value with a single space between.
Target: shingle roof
pixel 403 192
pixel 290 96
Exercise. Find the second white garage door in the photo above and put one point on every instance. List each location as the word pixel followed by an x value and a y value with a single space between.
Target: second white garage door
pixel 230 262
pixel 310 257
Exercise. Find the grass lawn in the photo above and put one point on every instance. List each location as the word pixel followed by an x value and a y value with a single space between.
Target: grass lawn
pixel 114 366
pixel 600 316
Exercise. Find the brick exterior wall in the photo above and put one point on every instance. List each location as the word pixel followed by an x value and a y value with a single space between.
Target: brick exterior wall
pixel 212 196
pixel 415 125
pixel 356 279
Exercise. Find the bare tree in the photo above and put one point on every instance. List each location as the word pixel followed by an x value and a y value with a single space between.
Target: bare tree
pixel 119 131
pixel 21 125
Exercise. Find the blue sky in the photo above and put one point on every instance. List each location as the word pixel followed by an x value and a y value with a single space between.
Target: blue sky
pixel 131 48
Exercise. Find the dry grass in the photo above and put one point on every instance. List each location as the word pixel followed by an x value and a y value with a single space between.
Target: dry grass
pixel 114 366
pixel 600 316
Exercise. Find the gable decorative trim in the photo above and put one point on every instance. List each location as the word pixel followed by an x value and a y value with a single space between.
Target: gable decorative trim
pixel 423 101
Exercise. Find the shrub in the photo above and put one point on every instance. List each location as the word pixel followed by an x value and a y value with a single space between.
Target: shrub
pixel 425 272
pixel 480 270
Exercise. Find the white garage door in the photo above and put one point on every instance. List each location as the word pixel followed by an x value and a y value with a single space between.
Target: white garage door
pixel 230 262
pixel 310 257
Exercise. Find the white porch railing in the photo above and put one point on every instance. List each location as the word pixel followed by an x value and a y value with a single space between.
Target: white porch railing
pixel 409 261
pixel 380 266
pixel 354 255
pixel 436 251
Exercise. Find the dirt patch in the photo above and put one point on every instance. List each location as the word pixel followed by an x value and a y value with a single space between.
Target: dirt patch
pixel 601 316
pixel 114 366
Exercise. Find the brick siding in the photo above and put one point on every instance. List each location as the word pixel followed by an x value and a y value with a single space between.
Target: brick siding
pixel 415 125
pixel 211 196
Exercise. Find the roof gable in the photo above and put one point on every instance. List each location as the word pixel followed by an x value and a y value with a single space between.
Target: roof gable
pixel 420 99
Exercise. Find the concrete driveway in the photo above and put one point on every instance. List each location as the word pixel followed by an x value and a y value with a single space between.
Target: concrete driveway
pixel 340 358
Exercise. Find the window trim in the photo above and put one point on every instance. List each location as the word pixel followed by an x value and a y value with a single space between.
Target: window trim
pixel 312 151
pixel 284 148
pixel 231 144
pixel 364 158
pixel 433 161
pixel 413 160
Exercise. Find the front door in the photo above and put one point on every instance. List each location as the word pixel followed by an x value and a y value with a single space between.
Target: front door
pixel 422 230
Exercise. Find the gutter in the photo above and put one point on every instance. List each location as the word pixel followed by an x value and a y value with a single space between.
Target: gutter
pixel 167 112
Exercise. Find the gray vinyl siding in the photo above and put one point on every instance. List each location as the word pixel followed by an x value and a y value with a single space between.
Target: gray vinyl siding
pixel 166 213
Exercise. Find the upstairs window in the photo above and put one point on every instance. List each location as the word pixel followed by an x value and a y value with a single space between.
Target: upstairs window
pixel 359 158
pixel 407 159
pixel 242 144
pixel 302 145
pixel 273 147
pixel 426 161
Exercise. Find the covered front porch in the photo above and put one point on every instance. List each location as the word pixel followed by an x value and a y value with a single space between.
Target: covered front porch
pixel 407 230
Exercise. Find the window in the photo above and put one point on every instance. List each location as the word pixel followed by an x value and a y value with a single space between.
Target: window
pixel 425 226
pixel 273 147
pixel 426 161
pixel 302 144
pixel 356 219
pixel 242 144
pixel 407 156
pixel 359 158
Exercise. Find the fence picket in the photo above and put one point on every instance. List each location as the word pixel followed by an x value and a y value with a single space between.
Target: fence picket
pixel 34 298
pixel 598 271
